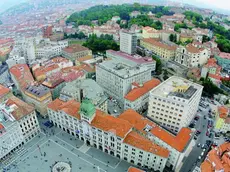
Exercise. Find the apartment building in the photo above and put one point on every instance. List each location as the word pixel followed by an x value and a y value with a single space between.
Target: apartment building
pixel 85 88
pixel 191 56
pixel 73 52
pixel 18 125
pixel 39 96
pixel 107 133
pixel 116 77
pixel 173 104
pixel 128 42
pixel 165 51
pixel 138 98
pixel 179 145
pixel 134 59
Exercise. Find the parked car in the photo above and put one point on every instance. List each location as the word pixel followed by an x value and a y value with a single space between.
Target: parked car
pixel 197 118
pixel 198 145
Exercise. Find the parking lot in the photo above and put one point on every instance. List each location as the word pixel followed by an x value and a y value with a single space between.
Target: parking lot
pixel 54 145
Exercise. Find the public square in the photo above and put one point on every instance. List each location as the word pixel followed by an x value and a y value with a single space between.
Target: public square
pixel 53 145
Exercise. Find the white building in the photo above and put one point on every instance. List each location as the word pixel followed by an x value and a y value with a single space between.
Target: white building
pixel 132 59
pixel 112 135
pixel 191 56
pixel 18 125
pixel 174 103
pixel 85 88
pixel 116 77
pixel 128 42
pixel 138 98
pixel 15 59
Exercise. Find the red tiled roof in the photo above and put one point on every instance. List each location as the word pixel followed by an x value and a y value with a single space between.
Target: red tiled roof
pixel 141 90
pixel 22 74
pixel 134 169
pixel 159 44
pixel 3 90
pixel 75 48
pixel 223 111
pixel 178 142
pixel 218 159
pixel 136 140
pixel 109 123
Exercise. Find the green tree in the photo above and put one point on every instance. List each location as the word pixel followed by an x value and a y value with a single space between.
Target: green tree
pixel 159 14
pixel 209 88
pixel 205 39
pixel 158 65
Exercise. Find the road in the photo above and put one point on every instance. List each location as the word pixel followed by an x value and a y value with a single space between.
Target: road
pixel 192 160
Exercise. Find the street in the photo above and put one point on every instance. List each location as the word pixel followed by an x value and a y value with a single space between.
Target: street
pixel 192 160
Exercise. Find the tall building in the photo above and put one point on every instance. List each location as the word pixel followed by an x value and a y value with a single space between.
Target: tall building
pixel 174 103
pixel 18 125
pixel 128 42
pixel 116 77
pixel 112 135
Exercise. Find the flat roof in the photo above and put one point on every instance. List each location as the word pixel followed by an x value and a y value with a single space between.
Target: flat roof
pixel 176 86
pixel 135 58
pixel 37 90
pixel 122 68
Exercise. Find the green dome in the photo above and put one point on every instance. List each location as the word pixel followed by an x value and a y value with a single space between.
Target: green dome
pixel 87 108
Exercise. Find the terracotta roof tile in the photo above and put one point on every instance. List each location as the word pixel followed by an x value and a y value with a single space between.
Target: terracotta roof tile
pixel 218 159
pixel 136 140
pixel 71 107
pixel 84 58
pixel 21 108
pixel 109 123
pixel 134 169
pixel 223 111
pixel 190 48
pixel 159 44
pixel 141 90
pixel 22 74
pixel 75 48
pixel 178 142
pixel 3 90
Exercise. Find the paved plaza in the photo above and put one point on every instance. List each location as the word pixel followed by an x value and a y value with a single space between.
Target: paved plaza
pixel 52 146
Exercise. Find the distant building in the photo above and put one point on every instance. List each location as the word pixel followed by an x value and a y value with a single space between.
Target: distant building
pixel 217 159
pixel 138 98
pixel 85 88
pixel 134 14
pixel 18 125
pixel 165 51
pixel 128 42
pixel 73 52
pixel 212 70
pixel 174 103
pixel 115 136
pixel 134 59
pixel 39 96
pixel 222 119
pixel 223 60
pixel 115 18
pixel 116 77
pixel 191 56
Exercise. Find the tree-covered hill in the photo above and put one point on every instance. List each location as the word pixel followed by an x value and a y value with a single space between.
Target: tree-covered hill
pixel 103 13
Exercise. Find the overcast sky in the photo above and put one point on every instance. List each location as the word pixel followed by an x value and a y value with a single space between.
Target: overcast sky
pixel 223 4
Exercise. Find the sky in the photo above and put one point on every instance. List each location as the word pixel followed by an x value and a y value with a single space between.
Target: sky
pixel 222 4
